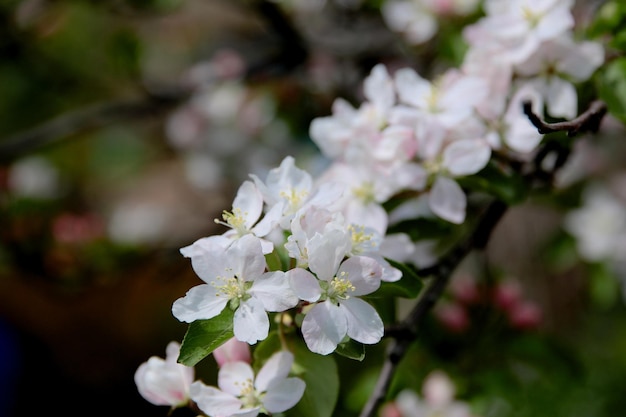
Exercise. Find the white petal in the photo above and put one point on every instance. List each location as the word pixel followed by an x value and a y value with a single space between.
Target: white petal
pixel 364 323
pixel 304 284
pixel 323 328
pixel 412 89
pixel 200 302
pixel 363 272
pixel 466 156
pixel 251 323
pixel 274 291
pixel 327 251
pixel 250 201
pixel 284 395
pixel 378 87
pixel 561 98
pixel 447 200
pixel 274 370
pixel 246 258
pixel 581 64
pixel 233 376
pixel 213 401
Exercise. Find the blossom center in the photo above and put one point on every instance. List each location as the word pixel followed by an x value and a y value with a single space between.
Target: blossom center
pixel 294 198
pixel 365 192
pixel 235 220
pixel 339 288
pixel 360 239
pixel 248 395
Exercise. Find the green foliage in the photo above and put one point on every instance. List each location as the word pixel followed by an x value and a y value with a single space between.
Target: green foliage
pixel 204 336
pixel 319 372
pixel 409 286
pixel 611 84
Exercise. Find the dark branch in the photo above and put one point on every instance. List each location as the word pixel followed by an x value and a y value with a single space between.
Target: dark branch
pixel 86 119
pixel 589 121
pixel 405 332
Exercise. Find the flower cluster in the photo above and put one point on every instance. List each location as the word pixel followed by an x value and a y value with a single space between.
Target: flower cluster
pixel 310 248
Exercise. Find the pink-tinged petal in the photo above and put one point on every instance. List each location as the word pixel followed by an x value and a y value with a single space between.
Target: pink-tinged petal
pixel 251 323
pixel 250 202
pixel 214 402
pixel 447 200
pixel 165 382
pixel 304 284
pixel 201 302
pixel 246 258
pixel 363 272
pixel 327 251
pixel 581 64
pixel 561 98
pixel 274 291
pixel 378 88
pixel 324 327
pixel 275 370
pixel 464 93
pixel 233 377
pixel 232 351
pixel 466 156
pixel 412 89
pixel 284 395
pixel 364 323
pixel 368 215
pixel 522 136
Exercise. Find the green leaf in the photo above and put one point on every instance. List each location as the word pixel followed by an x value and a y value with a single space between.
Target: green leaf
pixel 603 286
pixel 204 336
pixel 351 350
pixel 409 286
pixel 274 262
pixel 612 87
pixel 322 382
pixel 509 187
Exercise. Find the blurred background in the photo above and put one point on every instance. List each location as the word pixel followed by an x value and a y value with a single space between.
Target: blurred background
pixel 126 127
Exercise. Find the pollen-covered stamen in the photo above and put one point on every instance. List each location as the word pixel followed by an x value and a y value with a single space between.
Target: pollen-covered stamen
pixel 294 197
pixel 235 220
pixel 339 288
pixel 248 395
pixel 361 241
pixel 365 192
pixel 229 287
pixel 533 18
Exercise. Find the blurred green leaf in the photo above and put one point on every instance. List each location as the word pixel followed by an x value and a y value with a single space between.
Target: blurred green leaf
pixel 351 350
pixel 409 286
pixel 509 187
pixel 611 83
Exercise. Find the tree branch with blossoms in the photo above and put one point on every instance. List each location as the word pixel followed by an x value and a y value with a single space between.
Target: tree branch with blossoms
pixel 292 273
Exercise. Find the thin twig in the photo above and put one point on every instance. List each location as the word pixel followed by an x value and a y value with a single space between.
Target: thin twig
pixel 406 331
pixel 588 121
pixel 92 117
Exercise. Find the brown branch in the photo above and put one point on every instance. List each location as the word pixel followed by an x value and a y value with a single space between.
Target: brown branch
pixel 406 331
pixel 92 117
pixel 588 121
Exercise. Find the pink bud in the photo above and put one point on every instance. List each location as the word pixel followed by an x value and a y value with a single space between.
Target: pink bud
pixel 453 316
pixel 465 290
pixel 390 410
pixel 526 315
pixel 232 351
pixel 507 295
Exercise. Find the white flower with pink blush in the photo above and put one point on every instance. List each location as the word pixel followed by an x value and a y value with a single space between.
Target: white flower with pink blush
pixel 165 381
pixel 232 351
pixel 242 393
pixel 235 278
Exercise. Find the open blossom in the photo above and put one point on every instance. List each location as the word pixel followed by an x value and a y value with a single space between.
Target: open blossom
pixel 165 381
pixel 235 278
pixel 512 30
pixel 334 289
pixel 245 214
pixel 241 393
pixel 555 66
pixel 291 188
